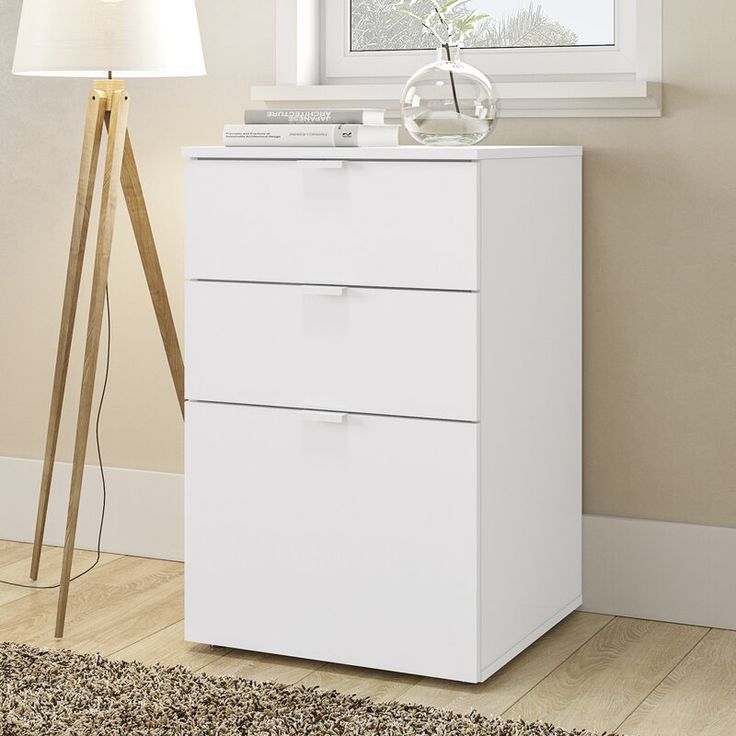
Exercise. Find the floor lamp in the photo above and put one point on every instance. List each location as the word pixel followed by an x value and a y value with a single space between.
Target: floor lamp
pixel 110 39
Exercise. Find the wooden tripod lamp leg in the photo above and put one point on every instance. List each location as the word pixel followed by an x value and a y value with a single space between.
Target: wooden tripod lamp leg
pixel 85 190
pixel 113 165
pixel 149 257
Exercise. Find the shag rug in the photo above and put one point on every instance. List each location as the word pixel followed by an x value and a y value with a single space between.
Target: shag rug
pixel 55 693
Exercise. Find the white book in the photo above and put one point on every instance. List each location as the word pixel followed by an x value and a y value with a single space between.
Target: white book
pixel 336 117
pixel 310 134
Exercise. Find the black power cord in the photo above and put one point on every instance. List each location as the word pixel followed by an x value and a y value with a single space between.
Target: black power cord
pixel 99 460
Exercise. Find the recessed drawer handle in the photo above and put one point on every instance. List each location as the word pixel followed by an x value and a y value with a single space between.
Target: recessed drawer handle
pixel 323 290
pixel 319 164
pixel 331 417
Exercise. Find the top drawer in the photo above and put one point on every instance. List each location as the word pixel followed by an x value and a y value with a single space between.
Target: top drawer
pixel 357 223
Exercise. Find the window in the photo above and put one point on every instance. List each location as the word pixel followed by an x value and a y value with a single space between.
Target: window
pixel 546 57
pixel 375 26
pixel 523 39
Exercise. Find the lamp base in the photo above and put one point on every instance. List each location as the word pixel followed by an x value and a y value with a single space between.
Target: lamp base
pixel 107 106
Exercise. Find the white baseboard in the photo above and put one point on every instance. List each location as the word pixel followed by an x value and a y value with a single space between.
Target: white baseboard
pixel 144 515
pixel 659 570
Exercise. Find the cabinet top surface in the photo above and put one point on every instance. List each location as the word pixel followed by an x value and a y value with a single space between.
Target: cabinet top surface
pixel 393 153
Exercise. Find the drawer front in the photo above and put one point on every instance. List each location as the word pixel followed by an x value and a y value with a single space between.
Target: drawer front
pixel 379 351
pixel 352 540
pixel 366 223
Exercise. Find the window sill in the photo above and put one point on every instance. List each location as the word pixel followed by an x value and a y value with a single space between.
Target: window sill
pixel 603 99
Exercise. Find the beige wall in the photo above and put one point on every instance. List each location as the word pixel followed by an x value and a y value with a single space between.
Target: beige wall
pixel 40 136
pixel 660 260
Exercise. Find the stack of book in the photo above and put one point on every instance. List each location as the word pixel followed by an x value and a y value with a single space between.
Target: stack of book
pixel 333 128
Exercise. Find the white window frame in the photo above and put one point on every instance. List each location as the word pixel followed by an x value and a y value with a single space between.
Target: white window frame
pixel 314 65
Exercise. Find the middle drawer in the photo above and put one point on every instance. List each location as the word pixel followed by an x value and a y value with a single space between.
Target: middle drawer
pixel 378 351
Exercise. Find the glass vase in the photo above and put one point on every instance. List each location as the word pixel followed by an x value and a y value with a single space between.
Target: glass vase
pixel 448 102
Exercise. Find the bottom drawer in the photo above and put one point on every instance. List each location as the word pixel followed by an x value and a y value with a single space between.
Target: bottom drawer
pixel 343 538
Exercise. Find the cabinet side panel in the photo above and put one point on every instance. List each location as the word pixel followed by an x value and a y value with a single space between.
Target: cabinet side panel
pixel 531 406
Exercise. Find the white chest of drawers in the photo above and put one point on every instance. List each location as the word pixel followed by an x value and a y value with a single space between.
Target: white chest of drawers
pixel 383 431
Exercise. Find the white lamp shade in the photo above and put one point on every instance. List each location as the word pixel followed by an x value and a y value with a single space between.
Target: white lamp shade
pixel 89 38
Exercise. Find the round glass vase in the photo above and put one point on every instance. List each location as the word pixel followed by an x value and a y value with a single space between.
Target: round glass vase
pixel 448 102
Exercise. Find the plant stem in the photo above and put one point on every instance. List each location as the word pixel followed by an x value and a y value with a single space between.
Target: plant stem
pixel 446 46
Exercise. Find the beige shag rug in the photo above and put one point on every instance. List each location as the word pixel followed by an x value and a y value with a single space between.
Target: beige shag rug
pixel 55 693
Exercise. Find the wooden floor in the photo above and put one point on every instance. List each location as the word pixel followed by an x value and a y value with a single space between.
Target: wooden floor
pixel 634 677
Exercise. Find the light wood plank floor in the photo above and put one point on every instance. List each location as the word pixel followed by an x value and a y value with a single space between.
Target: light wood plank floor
pixel 634 677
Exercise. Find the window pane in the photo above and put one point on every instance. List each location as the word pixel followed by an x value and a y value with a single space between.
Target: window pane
pixel 376 26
